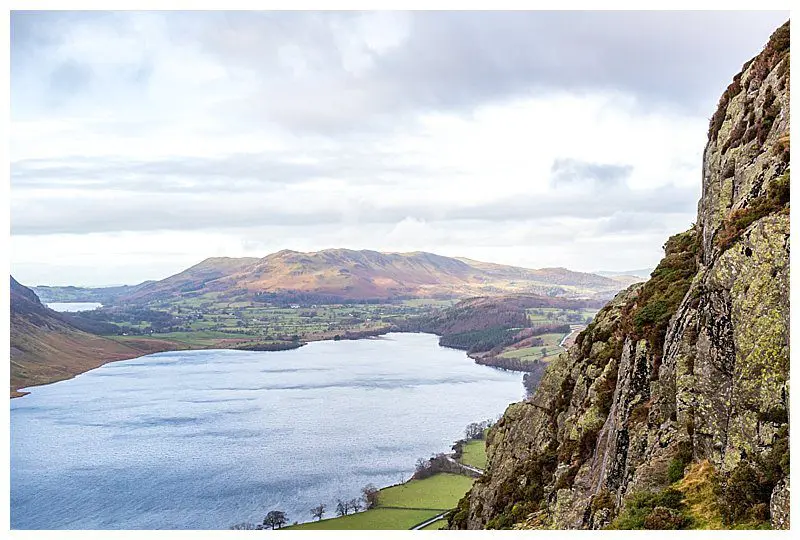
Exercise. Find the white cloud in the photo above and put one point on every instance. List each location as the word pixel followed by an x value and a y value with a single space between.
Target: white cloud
pixel 142 143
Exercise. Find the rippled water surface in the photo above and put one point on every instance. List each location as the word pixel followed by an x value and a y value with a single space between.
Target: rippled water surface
pixel 206 439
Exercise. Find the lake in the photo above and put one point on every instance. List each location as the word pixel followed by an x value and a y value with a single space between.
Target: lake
pixel 73 306
pixel 206 439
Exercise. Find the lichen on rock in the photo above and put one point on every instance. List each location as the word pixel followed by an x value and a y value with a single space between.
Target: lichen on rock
pixel 689 371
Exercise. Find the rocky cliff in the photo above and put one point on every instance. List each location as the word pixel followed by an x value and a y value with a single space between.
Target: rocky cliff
pixel 671 409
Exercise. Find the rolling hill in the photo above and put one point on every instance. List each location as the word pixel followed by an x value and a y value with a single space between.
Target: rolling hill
pixel 345 274
pixel 47 347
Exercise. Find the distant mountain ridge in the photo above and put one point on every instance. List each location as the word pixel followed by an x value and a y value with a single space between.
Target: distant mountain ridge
pixel 643 273
pixel 365 274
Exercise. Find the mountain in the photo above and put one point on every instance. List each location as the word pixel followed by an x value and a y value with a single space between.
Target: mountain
pixel 190 280
pixel 642 273
pixel 671 410
pixel 46 346
pixel 103 295
pixel 346 274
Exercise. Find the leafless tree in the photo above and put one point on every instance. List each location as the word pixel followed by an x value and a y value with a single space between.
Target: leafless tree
pixel 370 495
pixel 355 504
pixel 342 507
pixel 318 512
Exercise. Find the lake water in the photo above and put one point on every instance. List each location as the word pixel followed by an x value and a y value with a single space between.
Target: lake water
pixel 73 306
pixel 206 439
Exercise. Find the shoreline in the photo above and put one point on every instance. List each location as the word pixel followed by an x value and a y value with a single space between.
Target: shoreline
pixel 16 391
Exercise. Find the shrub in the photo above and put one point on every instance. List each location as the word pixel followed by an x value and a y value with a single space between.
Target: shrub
pixel 738 221
pixel 675 470
pixel 640 506
pixel 604 499
pixel 744 496
pixel 740 493
pixel 661 518
pixel 458 518
pixel 522 490
pixel 648 317
pixel 678 464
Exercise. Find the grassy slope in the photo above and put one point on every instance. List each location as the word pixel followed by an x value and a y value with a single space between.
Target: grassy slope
pixel 697 486
pixel 402 506
pixel 551 342
pixel 439 492
pixel 42 355
pixel 376 519
pixel 474 454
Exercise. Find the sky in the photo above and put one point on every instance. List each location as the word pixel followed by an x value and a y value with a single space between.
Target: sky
pixel 144 142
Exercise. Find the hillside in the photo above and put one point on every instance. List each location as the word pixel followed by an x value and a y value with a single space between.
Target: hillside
pixel 671 409
pixel 342 274
pixel 103 295
pixel 46 347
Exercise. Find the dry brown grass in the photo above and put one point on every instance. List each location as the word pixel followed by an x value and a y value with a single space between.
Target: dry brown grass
pixel 698 488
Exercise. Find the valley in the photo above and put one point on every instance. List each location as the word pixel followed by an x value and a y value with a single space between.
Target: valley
pixel 507 317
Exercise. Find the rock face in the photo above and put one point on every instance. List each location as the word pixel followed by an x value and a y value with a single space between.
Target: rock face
pixel 692 366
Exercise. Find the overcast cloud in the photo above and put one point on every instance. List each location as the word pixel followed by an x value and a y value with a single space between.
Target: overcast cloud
pixel 142 143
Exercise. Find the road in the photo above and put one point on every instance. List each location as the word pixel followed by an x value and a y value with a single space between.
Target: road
pixel 426 523
pixel 468 467
pixel 573 329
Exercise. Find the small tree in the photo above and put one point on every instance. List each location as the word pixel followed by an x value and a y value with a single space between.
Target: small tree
pixel 544 352
pixel 342 507
pixel 370 495
pixel 472 431
pixel 275 519
pixel 355 504
pixel 318 512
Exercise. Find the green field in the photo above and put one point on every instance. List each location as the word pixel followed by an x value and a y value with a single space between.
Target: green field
pixel 474 454
pixel 375 519
pixel 199 338
pixel 439 492
pixel 556 315
pixel 403 506
pixel 212 318
pixel 551 346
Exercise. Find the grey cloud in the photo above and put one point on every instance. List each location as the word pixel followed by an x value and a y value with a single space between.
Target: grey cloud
pixel 244 172
pixel 663 200
pixel 569 172
pixel 456 61
pixel 451 61
pixel 631 222
pixel 147 212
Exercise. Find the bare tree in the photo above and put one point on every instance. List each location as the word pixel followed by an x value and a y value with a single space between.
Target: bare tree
pixel 342 507
pixel 318 512
pixel 355 504
pixel 275 519
pixel 421 465
pixel 370 495
pixel 473 431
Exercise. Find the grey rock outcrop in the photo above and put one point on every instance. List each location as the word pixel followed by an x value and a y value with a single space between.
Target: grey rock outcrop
pixel 692 366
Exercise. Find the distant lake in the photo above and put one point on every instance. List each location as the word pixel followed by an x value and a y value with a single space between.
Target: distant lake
pixel 73 306
pixel 206 439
